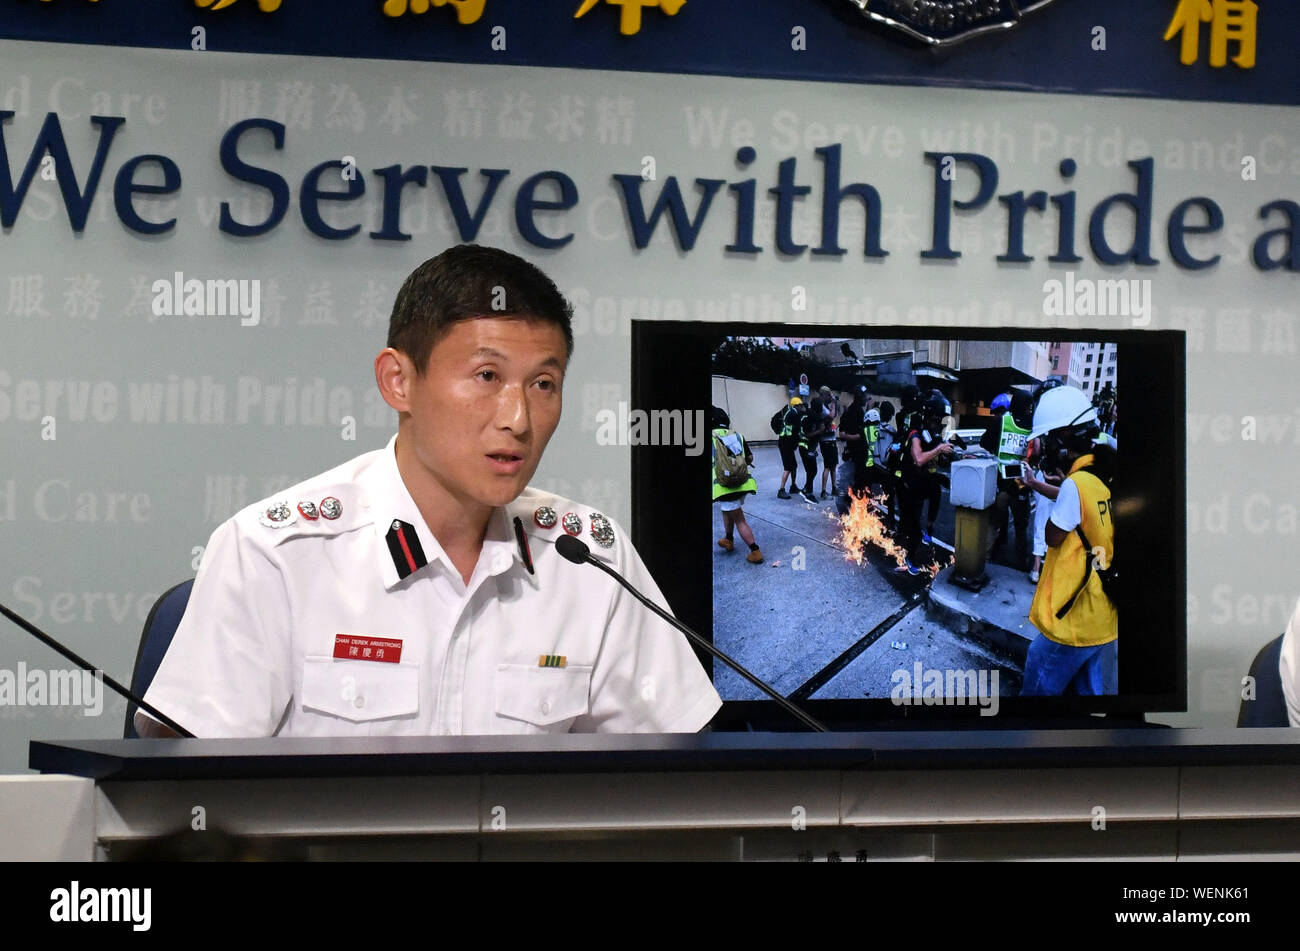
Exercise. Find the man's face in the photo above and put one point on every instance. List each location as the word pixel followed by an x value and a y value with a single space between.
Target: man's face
pixel 486 406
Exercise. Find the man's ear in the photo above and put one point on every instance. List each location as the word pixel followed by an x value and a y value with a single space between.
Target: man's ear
pixel 393 375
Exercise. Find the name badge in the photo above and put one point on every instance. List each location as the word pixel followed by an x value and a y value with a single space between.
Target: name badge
pixel 352 647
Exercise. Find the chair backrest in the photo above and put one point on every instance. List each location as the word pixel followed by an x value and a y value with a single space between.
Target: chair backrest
pixel 156 637
pixel 1269 706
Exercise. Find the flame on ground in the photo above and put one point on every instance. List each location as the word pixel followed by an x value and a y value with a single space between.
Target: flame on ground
pixel 862 526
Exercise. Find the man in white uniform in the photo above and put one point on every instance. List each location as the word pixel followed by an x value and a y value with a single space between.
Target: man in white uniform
pixel 416 590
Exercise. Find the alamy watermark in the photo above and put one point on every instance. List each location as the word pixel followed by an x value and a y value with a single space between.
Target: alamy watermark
pixel 77 904
pixel 656 427
pixel 212 298
pixel 945 688
pixel 1086 297
pixel 52 688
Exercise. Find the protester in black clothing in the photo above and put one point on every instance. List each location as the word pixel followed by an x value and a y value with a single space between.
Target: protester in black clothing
pixel 908 418
pixel 912 416
pixel 787 441
pixel 921 457
pixel 853 434
pixel 933 499
pixel 811 427
pixel 830 449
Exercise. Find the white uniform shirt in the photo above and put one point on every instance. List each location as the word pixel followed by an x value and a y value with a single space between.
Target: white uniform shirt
pixel 272 640
pixel 1289 667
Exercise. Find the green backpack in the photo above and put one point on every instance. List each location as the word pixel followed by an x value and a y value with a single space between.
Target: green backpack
pixel 729 466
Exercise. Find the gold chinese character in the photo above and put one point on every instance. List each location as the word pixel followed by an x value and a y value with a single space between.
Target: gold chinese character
pixel 629 21
pixel 467 11
pixel 1229 20
pixel 266 6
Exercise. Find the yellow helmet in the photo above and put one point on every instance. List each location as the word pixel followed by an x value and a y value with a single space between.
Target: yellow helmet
pixel 796 401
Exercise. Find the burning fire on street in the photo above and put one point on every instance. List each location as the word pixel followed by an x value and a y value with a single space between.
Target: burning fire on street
pixel 862 526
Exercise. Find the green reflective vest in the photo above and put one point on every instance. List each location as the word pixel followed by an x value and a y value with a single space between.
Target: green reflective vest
pixel 1013 442
pixel 870 436
pixel 788 422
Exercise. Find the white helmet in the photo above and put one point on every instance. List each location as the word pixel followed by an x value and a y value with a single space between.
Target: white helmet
pixel 873 415
pixel 1060 407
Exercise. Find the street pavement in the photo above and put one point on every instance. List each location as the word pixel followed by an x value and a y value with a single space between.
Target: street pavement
pixel 815 625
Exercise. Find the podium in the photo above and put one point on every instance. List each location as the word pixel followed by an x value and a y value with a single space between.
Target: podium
pixel 904 795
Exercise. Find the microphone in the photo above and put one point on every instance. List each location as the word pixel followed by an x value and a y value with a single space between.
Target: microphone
pixel 138 701
pixel 576 551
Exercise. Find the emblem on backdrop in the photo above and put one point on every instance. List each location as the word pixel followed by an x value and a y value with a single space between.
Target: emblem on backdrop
pixel 945 22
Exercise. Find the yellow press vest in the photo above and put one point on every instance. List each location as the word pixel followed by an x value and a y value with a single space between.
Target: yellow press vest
pixel 1092 619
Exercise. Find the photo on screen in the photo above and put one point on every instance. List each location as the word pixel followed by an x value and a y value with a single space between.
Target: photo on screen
pixel 907 578
pixel 907 521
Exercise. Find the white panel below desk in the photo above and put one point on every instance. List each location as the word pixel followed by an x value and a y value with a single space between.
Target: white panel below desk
pixel 1228 792
pixel 47 819
pixel 674 800
pixel 931 797
pixel 383 805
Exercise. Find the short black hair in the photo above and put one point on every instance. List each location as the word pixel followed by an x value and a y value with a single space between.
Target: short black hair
pixel 468 281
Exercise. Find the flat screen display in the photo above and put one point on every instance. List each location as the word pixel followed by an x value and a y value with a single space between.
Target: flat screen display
pixel 906 537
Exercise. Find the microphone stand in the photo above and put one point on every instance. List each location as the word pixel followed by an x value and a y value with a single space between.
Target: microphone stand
pixel 84 665
pixel 572 553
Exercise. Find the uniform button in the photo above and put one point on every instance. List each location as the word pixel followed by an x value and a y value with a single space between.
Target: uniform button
pixel 359 702
pixel 546 706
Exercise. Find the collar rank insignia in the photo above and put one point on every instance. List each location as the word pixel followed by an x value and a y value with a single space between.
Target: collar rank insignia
pixel 941 23
pixel 602 530
pixel 522 538
pixel 278 515
pixel 552 660
pixel 404 546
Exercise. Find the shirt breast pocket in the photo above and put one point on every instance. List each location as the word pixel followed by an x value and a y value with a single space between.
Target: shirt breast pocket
pixel 360 691
pixel 541 699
